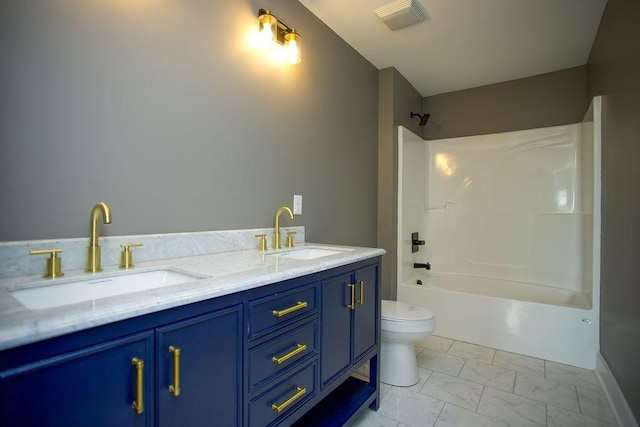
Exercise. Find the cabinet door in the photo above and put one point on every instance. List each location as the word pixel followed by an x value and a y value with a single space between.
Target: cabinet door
pixel 93 387
pixel 365 313
pixel 209 368
pixel 336 326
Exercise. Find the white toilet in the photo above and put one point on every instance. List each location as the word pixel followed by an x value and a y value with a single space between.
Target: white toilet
pixel 402 325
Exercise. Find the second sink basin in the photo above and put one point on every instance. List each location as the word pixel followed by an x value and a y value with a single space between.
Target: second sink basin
pixel 310 253
pixel 62 292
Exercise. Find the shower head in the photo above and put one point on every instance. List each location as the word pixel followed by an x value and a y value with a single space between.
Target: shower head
pixel 423 118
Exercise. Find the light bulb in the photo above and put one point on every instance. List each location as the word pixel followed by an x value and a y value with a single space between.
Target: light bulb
pixel 266 34
pixel 292 47
pixel 292 53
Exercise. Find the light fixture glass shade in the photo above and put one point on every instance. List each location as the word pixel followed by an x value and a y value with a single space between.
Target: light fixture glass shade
pixel 267 30
pixel 292 47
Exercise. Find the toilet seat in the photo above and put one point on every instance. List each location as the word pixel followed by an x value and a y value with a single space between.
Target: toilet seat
pixel 402 317
pixel 401 311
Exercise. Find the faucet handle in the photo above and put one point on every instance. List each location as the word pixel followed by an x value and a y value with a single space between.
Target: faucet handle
pixel 54 268
pixel 263 241
pixel 126 257
pixel 290 238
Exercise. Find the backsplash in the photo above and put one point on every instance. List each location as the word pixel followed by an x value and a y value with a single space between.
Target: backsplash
pixel 15 260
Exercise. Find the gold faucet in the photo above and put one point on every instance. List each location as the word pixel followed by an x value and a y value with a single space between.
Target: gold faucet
pixel 276 233
pixel 93 262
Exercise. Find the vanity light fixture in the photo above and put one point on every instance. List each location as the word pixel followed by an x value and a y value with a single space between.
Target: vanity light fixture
pixel 277 36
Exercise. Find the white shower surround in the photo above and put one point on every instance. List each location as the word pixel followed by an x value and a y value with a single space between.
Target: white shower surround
pixel 512 229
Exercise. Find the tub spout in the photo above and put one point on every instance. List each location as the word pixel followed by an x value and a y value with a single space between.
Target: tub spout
pixel 426 266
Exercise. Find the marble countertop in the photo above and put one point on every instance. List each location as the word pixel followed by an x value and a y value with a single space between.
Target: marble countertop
pixel 222 274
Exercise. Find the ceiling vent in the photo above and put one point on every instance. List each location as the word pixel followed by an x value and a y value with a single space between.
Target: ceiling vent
pixel 402 13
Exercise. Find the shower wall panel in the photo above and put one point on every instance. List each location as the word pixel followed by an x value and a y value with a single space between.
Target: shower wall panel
pixel 506 206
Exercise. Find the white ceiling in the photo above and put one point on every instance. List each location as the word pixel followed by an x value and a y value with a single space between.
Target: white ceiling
pixel 469 43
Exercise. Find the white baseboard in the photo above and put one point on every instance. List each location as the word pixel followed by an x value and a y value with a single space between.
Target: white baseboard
pixel 616 399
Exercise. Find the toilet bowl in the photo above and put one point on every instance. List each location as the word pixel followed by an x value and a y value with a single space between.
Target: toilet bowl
pixel 402 325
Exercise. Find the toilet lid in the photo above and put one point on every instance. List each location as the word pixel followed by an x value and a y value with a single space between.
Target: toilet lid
pixel 395 310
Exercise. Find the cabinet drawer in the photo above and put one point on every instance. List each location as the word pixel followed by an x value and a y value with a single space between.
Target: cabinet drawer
pixel 270 358
pixel 269 313
pixel 284 398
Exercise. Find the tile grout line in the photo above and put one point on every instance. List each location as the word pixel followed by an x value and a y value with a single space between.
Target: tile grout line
pixel 440 413
pixel 481 394
pixel 579 401
pixel 450 345
pixel 546 414
pixel 461 368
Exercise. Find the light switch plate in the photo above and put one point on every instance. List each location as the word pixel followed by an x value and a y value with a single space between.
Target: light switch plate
pixel 297 204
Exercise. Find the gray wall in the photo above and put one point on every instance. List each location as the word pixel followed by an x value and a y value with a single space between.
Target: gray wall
pixel 550 99
pixel 397 99
pixel 614 72
pixel 164 111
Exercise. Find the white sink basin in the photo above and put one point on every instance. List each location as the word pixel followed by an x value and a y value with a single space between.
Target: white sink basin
pixel 310 253
pixel 62 292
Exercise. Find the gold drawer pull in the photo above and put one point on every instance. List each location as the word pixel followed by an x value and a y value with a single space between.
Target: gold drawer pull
pixel 299 392
pixel 299 349
pixel 175 387
pixel 352 306
pixel 138 404
pixel 298 306
pixel 361 283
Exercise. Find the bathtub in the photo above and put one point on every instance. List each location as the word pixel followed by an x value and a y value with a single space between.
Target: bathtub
pixel 510 224
pixel 537 321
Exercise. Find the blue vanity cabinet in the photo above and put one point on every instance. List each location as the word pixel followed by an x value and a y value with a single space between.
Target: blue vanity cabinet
pixel 94 386
pixel 278 354
pixel 350 320
pixel 200 370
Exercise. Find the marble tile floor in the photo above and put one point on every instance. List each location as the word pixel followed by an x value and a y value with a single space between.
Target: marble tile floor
pixel 468 385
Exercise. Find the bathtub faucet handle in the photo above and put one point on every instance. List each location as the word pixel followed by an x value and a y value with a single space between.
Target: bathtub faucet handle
pixel 415 242
pixel 426 266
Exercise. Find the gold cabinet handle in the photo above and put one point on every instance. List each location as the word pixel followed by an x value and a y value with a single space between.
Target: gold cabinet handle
pixel 298 306
pixel 175 387
pixel 361 301
pixel 279 360
pixel 299 392
pixel 138 404
pixel 352 306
